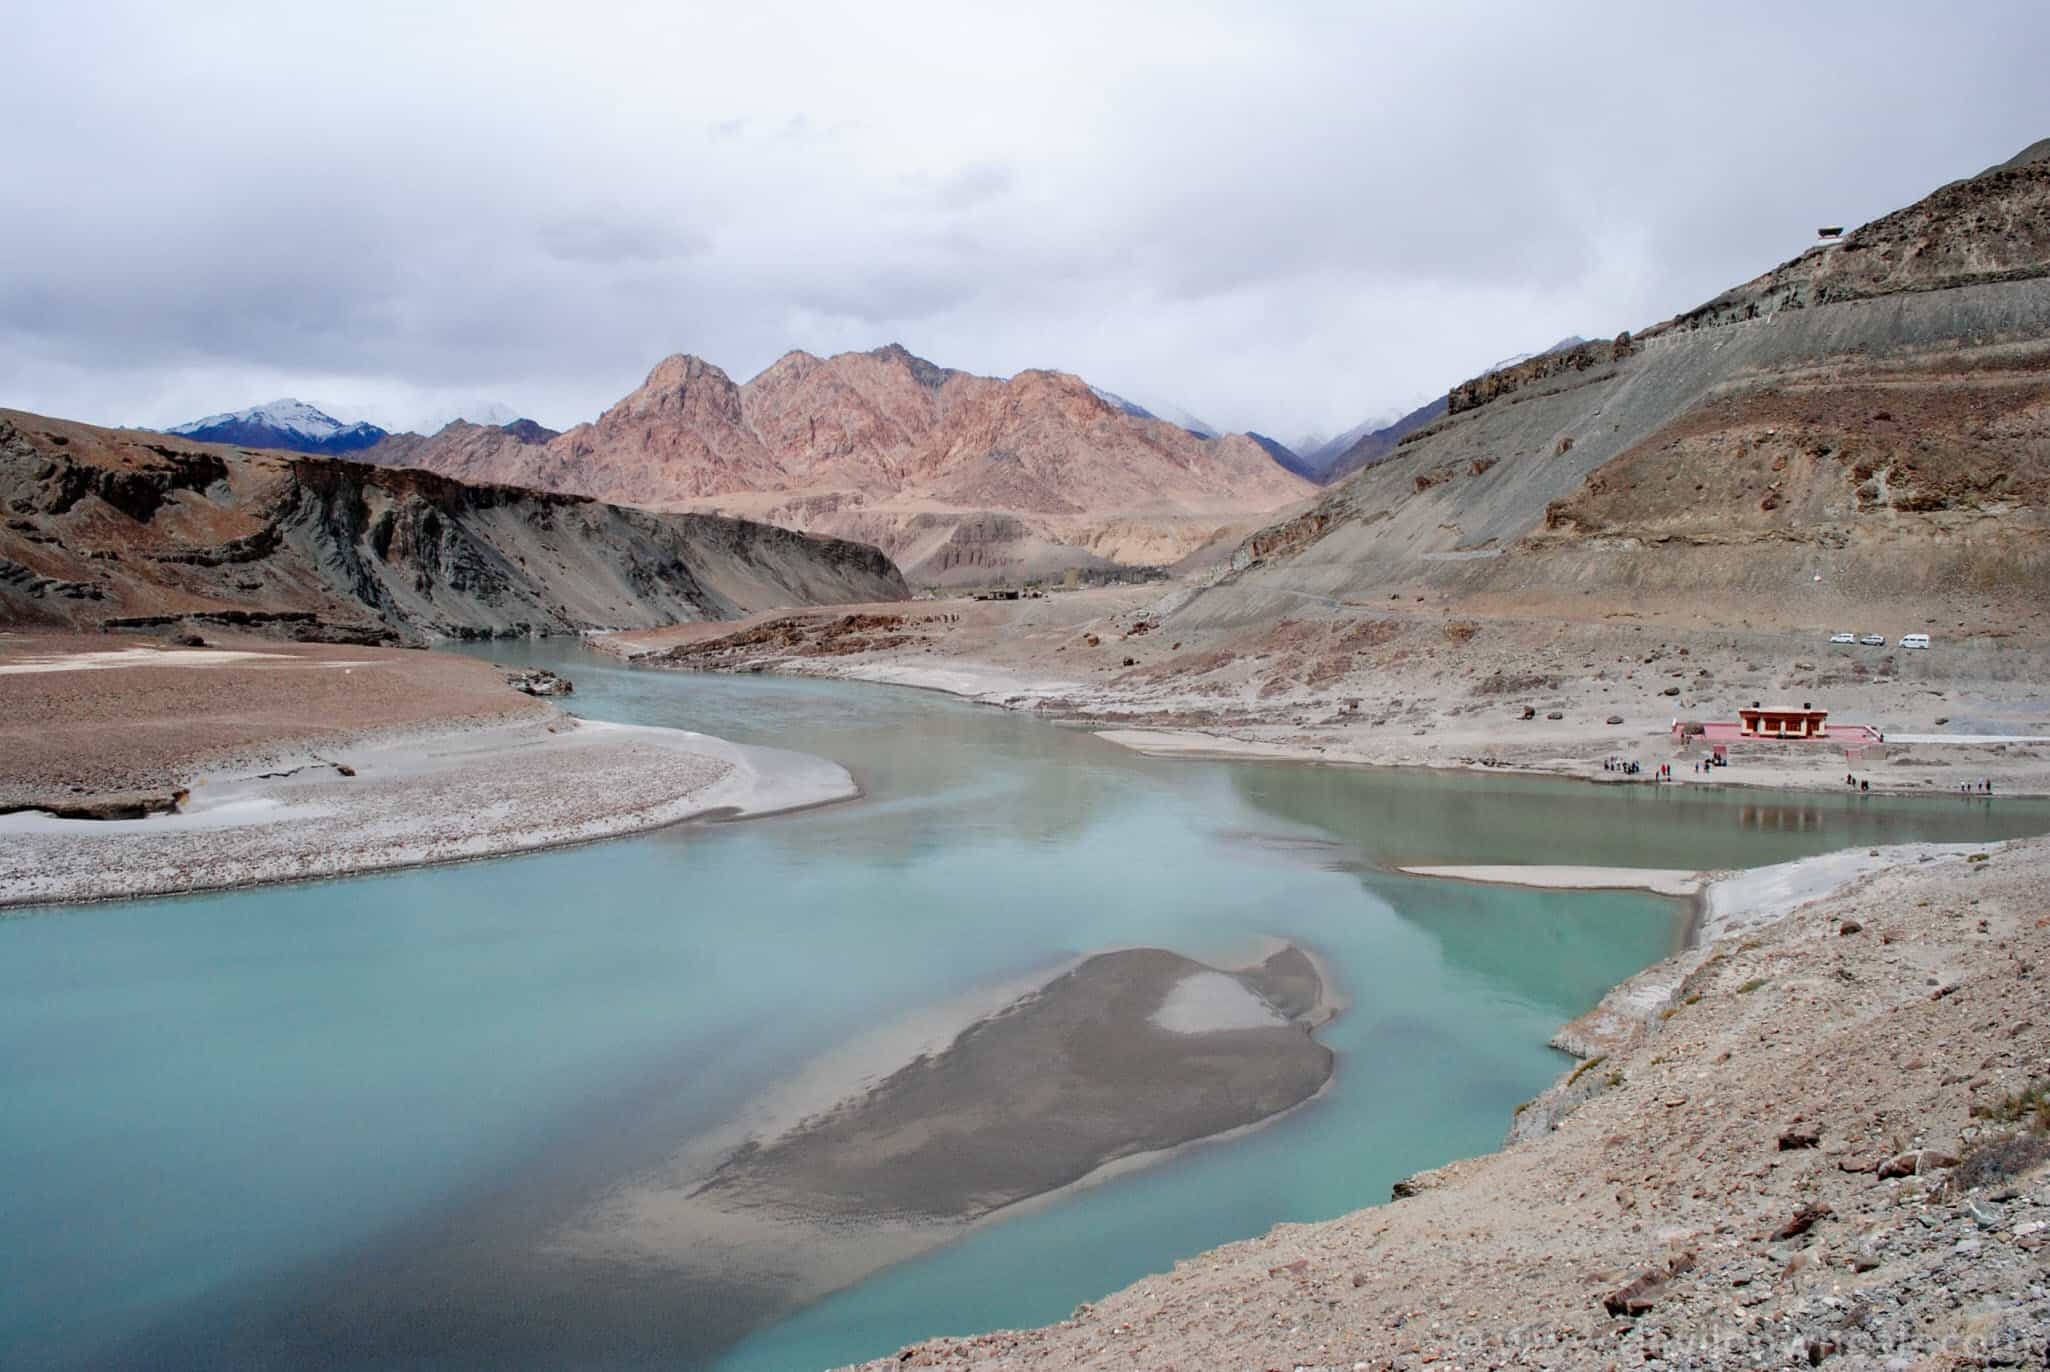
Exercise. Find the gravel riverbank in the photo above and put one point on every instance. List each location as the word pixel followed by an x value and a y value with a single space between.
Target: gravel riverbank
pixel 1826 1148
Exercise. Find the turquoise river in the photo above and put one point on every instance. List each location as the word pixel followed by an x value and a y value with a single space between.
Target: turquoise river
pixel 335 1124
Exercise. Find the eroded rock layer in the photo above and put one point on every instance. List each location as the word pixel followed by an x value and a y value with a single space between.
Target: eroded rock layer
pixel 116 529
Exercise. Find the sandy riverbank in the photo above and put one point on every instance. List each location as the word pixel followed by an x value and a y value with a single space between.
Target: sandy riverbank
pixel 289 762
pixel 1663 881
pixel 96 716
pixel 1404 684
pixel 434 796
pixel 1767 1174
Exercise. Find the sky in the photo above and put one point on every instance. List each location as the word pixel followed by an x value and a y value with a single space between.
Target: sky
pixel 1281 217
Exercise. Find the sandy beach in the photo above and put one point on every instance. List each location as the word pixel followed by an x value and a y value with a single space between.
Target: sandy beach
pixel 333 762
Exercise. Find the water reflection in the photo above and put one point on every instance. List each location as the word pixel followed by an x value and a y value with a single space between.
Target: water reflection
pixel 1412 818
pixel 1797 819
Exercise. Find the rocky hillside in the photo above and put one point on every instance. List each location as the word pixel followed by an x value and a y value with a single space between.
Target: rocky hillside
pixel 108 528
pixel 1991 227
pixel 1873 436
pixel 961 478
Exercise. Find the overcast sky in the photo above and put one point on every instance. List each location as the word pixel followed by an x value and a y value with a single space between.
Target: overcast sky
pixel 1281 217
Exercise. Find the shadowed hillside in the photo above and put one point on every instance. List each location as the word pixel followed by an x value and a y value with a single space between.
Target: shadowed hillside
pixel 110 528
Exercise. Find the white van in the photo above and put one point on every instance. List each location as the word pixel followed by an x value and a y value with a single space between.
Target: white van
pixel 1914 640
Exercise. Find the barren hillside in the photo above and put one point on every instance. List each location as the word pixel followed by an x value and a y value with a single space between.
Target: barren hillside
pixel 105 528
pixel 961 478
pixel 1877 439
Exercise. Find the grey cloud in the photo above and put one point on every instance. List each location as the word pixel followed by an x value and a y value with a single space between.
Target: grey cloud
pixel 1284 217
pixel 971 186
pixel 601 240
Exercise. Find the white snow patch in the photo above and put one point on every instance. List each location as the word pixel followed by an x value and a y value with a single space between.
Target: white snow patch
pixel 286 416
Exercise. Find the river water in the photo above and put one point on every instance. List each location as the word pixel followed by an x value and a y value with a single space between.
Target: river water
pixel 341 1124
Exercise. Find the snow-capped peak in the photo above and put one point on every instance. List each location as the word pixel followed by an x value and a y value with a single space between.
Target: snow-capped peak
pixel 286 416
pixel 1179 418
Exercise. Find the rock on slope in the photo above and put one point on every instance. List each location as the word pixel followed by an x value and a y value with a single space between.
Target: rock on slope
pixel 960 477
pixel 1866 426
pixel 106 528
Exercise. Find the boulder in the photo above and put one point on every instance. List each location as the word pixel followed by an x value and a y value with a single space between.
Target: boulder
pixel 1637 1297
pixel 1801 1221
pixel 539 682
pixel 1914 1163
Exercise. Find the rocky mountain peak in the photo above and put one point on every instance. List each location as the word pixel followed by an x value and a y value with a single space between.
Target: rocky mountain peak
pixel 928 374
pixel 958 474
pixel 289 424
pixel 681 384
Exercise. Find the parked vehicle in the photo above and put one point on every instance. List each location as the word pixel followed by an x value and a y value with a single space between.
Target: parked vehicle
pixel 1914 640
pixel 1872 640
pixel 1843 638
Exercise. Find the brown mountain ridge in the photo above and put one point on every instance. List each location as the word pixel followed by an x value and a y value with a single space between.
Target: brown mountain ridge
pixel 960 478
pixel 1862 433
pixel 120 529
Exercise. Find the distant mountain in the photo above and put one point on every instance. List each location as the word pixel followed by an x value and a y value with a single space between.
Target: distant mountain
pixel 461 449
pixel 1195 424
pixel 1181 419
pixel 1284 456
pixel 490 413
pixel 961 478
pixel 1318 452
pixel 1325 460
pixel 292 425
pixel 1370 448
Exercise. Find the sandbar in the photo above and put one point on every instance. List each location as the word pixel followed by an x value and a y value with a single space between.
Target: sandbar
pixel 1664 881
pixel 1120 1058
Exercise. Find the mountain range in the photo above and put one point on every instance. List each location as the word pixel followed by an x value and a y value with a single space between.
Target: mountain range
pixel 962 479
pixel 287 425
